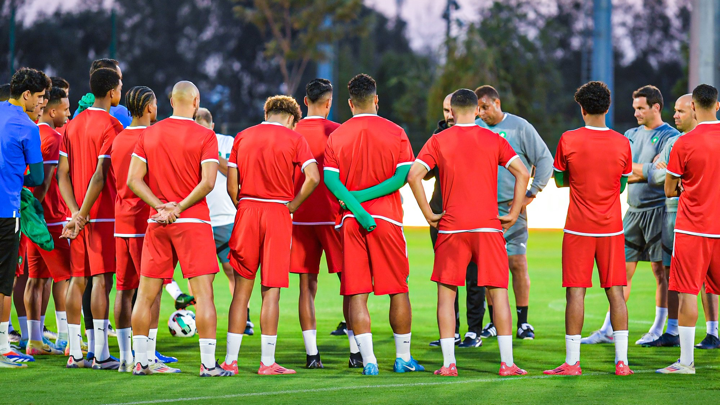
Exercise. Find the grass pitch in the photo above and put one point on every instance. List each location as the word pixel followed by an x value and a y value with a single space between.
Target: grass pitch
pixel 47 381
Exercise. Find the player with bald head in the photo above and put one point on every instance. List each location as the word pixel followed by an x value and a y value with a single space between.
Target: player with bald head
pixel 173 168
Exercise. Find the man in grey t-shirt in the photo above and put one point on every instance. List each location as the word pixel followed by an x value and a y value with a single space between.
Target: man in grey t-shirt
pixel 534 153
pixel 643 221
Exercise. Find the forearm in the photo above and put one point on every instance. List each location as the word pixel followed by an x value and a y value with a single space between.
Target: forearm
pixel 333 183
pixel 386 187
pixel 35 177
pixel 419 193
pixel 521 183
pixel 97 182
pixel 233 185
pixel 639 173
pixel 199 192
pixel 142 190
pixel 223 166
pixel 40 191
pixel 66 191
pixel 543 172
pixel 307 188
pixel 656 177
pixel 561 179
pixel 672 186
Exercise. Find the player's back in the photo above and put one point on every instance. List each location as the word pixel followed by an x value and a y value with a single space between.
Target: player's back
pixel 54 207
pixel 367 150
pixel 87 139
pixel 595 159
pixel 468 157
pixel 698 161
pixel 129 208
pixel 321 206
pixel 174 150
pixel 266 156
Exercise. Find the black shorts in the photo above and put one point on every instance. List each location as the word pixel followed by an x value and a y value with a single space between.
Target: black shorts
pixel 9 245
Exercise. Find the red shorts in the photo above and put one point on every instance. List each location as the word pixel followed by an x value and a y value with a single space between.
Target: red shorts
pixel 189 243
pixel 308 244
pixel 22 256
pixel 262 235
pixel 373 261
pixel 579 253
pixel 454 251
pixel 55 263
pixel 93 251
pixel 695 260
pixel 127 270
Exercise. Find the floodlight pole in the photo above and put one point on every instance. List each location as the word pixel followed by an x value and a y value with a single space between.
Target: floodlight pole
pixel 11 36
pixel 602 56
pixel 325 67
pixel 703 44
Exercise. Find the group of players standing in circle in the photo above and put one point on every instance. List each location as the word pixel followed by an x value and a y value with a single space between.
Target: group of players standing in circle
pixel 135 202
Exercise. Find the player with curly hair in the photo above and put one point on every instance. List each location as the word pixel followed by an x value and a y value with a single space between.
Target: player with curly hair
pixel 261 172
pixel 595 162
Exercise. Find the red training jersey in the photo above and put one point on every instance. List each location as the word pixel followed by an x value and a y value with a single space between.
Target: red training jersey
pixel 131 213
pixel 367 150
pixel 54 208
pixel 266 156
pixel 174 150
pixel 694 158
pixel 321 208
pixel 595 160
pixel 88 138
pixel 467 157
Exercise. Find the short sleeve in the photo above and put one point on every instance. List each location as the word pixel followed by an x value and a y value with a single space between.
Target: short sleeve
pixel 51 149
pixel 428 155
pixel 303 154
pixel 232 160
pixel 331 161
pixel 560 163
pixel 628 160
pixel 506 154
pixel 107 140
pixel 676 165
pixel 406 153
pixel 32 151
pixel 139 151
pixel 209 151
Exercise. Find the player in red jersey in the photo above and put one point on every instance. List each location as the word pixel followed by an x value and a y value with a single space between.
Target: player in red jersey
pixel 87 185
pixel 262 167
pixel 172 170
pixel 55 264
pixel 595 163
pixel 131 215
pixel 314 222
pixel 366 161
pixel 692 174
pixel 469 228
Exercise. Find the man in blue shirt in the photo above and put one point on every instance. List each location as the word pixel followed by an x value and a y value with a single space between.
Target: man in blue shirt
pixel 19 150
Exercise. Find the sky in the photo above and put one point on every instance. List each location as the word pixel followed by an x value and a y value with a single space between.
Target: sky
pixel 426 28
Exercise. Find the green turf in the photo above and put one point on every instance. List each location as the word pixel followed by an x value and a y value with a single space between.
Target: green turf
pixel 46 381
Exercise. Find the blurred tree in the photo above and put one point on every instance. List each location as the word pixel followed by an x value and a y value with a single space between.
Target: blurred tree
pixel 295 28
pixel 403 75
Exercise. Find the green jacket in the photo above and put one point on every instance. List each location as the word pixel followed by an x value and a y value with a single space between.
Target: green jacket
pixel 32 221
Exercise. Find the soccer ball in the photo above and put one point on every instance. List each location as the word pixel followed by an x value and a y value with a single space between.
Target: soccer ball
pixel 182 323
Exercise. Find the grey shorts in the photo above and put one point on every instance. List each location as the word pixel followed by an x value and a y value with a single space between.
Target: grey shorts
pixel 516 237
pixel 221 234
pixel 643 235
pixel 668 237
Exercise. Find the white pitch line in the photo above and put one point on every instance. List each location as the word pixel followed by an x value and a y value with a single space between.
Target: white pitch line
pixel 365 387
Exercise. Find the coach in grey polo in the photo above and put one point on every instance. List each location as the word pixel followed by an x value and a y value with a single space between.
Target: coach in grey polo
pixel 533 152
